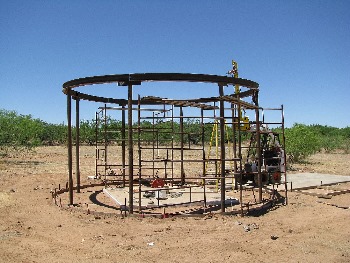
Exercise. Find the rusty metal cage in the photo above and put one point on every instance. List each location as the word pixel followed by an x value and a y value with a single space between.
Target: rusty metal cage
pixel 172 162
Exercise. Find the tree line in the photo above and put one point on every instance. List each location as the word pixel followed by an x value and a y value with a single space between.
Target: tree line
pixel 17 130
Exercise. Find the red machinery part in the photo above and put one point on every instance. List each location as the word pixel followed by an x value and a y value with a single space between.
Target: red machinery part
pixel 157 183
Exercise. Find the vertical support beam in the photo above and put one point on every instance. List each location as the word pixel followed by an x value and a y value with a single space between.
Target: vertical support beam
pixel 69 146
pixel 96 145
pixel 153 143
pixel 234 128
pixel 77 143
pixel 182 146
pixel 172 144
pixel 123 144
pixel 105 140
pixel 258 149
pixel 203 143
pixel 139 148
pixel 131 150
pixel 240 154
pixel 222 146
pixel 284 158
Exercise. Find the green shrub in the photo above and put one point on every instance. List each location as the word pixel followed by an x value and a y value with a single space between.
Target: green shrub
pixel 301 142
pixel 18 131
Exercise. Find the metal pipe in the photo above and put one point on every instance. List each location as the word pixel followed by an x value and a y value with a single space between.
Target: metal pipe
pixel 240 155
pixel 203 143
pixel 187 117
pixel 97 153
pixel 153 144
pixel 123 144
pixel 258 152
pixel 139 148
pixel 77 144
pixel 130 148
pixel 222 145
pixel 182 147
pixel 172 143
pixel 69 146
pixel 105 141
pixel 234 127
pixel 285 157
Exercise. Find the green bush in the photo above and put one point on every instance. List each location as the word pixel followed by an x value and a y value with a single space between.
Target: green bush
pixel 301 142
pixel 18 130
pixel 87 131
pixel 25 131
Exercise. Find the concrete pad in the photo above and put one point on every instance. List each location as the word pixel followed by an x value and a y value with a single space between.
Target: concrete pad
pixel 195 194
pixel 174 196
pixel 302 180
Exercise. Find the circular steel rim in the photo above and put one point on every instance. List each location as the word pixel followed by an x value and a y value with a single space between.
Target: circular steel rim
pixel 138 78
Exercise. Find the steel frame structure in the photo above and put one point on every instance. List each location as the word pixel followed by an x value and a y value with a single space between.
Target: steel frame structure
pixel 229 107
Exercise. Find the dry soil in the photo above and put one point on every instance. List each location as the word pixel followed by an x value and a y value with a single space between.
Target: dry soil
pixel 33 229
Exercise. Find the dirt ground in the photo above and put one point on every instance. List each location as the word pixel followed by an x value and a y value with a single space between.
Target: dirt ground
pixel 33 229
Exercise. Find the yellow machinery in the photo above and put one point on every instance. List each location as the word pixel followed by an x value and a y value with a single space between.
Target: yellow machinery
pixel 244 121
pixel 244 126
pixel 215 139
pixel 234 72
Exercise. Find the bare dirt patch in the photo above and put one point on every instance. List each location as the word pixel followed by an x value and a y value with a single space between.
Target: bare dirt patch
pixel 326 163
pixel 32 229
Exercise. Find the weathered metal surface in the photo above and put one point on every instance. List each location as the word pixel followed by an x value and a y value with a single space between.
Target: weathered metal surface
pixel 128 177
pixel 144 77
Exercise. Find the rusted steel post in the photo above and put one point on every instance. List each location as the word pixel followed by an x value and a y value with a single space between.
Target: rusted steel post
pixel 139 148
pixel 258 150
pixel 130 148
pixel 96 145
pixel 123 144
pixel 222 146
pixel 234 144
pixel 204 196
pixel 105 140
pixel 203 143
pixel 240 153
pixel 69 146
pixel 77 143
pixel 182 146
pixel 284 158
pixel 153 143
pixel 172 144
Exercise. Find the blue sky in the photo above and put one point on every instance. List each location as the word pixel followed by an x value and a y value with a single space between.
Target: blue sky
pixel 298 51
